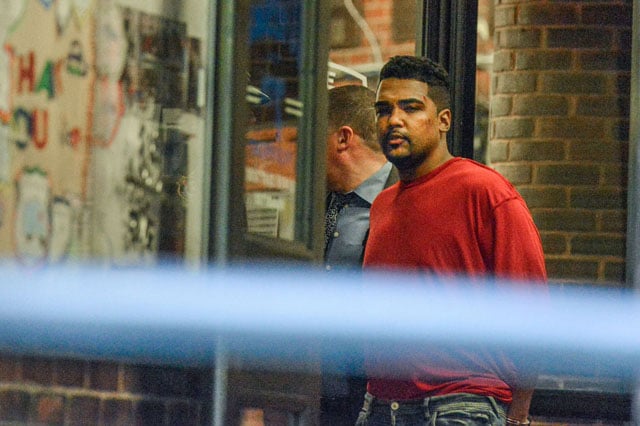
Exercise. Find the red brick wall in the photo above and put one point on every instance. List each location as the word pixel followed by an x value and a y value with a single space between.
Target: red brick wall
pixel 71 392
pixel 559 127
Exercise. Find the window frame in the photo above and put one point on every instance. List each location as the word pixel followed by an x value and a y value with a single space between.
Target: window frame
pixel 229 242
pixel 456 50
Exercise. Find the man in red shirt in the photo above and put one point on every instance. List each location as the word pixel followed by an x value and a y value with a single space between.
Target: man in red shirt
pixel 448 216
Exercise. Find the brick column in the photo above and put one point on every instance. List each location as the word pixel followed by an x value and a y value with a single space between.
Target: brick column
pixel 559 125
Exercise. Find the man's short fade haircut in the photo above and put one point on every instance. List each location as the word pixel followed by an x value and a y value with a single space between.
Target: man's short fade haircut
pixel 353 105
pixel 422 69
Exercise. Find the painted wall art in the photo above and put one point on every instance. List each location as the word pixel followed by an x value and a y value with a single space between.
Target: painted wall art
pixel 91 149
pixel 44 117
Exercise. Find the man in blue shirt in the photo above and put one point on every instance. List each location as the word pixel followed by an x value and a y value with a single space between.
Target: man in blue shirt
pixel 357 171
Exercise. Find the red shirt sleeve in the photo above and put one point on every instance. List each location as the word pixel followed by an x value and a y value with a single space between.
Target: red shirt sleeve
pixel 518 253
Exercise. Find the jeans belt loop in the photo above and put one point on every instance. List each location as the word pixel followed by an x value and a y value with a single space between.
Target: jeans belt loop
pixel 368 402
pixel 499 408
pixel 427 410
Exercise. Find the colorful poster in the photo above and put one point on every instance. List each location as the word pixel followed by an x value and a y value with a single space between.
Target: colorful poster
pixel 46 76
pixel 88 148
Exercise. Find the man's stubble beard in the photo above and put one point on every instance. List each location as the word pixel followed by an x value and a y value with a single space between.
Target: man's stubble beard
pixel 406 163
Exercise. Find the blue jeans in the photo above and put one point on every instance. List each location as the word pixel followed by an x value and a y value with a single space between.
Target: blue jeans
pixel 454 409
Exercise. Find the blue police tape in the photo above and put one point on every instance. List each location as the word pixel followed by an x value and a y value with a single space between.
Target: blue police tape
pixel 286 315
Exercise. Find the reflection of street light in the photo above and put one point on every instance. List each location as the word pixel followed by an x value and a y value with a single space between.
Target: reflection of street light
pixel 256 96
pixel 293 107
pixel 335 69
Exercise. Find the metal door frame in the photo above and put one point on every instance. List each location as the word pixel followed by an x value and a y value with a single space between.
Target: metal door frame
pixel 449 37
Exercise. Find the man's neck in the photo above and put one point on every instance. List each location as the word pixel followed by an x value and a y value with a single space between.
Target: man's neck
pixel 427 166
pixel 361 171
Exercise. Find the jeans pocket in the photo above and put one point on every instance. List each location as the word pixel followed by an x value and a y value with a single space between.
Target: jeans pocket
pixel 475 417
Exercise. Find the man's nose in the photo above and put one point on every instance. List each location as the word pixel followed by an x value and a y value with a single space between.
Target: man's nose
pixel 395 118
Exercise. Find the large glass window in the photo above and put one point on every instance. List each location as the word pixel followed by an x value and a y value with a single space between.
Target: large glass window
pixel 277 64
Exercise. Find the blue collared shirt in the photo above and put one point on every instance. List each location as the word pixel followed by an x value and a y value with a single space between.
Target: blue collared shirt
pixel 347 242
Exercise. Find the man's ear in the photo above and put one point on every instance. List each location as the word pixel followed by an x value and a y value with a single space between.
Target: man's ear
pixel 444 120
pixel 345 137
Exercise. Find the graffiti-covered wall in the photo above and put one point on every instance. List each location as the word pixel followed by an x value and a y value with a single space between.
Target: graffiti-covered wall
pixel 98 115
pixel 46 73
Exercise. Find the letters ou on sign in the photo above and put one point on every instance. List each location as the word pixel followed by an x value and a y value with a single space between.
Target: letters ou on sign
pixel 30 126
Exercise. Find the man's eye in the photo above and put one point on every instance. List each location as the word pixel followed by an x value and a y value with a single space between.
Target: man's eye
pixel 383 111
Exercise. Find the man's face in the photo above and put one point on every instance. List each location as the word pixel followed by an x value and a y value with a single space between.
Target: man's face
pixel 409 125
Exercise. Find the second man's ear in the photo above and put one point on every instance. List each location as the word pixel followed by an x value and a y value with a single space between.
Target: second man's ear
pixel 345 135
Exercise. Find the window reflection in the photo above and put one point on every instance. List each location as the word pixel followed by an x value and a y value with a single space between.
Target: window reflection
pixel 484 63
pixel 273 97
pixel 366 34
